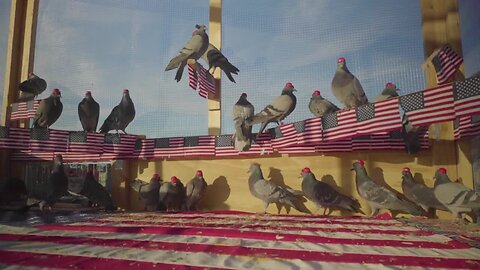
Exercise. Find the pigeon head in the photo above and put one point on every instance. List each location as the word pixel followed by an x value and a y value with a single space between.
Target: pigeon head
pixel 406 171
pixel 125 91
pixel 289 88
pixel 88 94
pixel 359 164
pixel 316 93
pixel 441 177
pixel 244 95
pixel 305 171
pixel 389 84
pixel 155 176
pixel 31 75
pixel 200 28
pixel 58 160
pixel 56 92
pixel 174 180
pixel 442 171
pixel 199 173
pixel 255 166
pixel 341 63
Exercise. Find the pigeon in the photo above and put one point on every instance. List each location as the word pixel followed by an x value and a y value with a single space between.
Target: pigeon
pixel 49 110
pixel 278 110
pixel 31 87
pixel 148 192
pixel 379 197
pixel 11 190
pixel 456 197
pixel 320 106
pixel 215 58
pixel 267 191
pixel 418 193
pixel 242 111
pixel 172 194
pixel 346 87
pixel 88 111
pixel 193 49
pixel 96 193
pixel 121 115
pixel 410 136
pixel 389 92
pixel 323 195
pixel 194 191
pixel 48 192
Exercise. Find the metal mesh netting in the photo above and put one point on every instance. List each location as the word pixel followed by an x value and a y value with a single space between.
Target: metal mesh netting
pixel 273 42
pixel 106 46
pixel 4 22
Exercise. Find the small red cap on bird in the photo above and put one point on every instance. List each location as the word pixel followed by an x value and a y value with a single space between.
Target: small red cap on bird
pixel 361 162
pixel 316 92
pixel 199 173
pixel 88 93
pixel 442 171
pixel 306 170
pixel 406 169
pixel 389 84
pixel 289 85
pixel 56 91
pixel 155 175
pixel 174 179
pixel 341 60
pixel 125 91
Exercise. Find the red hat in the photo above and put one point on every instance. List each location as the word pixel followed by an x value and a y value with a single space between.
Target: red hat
pixel 406 169
pixel 88 93
pixel 174 179
pixel 361 162
pixel 125 91
pixel 389 84
pixel 306 170
pixel 289 85
pixel 199 173
pixel 341 60
pixel 155 175
pixel 316 92
pixel 56 91
pixel 442 170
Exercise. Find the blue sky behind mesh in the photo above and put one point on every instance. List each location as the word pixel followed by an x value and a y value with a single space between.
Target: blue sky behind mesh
pixel 106 46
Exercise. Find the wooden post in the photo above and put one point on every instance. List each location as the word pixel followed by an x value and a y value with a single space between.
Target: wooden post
pixel 215 35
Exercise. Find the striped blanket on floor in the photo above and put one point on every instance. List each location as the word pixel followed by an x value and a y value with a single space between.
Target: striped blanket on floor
pixel 229 240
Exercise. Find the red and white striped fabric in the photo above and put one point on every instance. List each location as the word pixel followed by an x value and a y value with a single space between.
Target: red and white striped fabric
pixel 196 146
pixel 85 142
pixel 339 125
pixel 382 116
pixel 144 148
pixel 14 138
pixel 467 96
pixel 23 155
pixel 121 146
pixel 466 126
pixel 48 140
pixel 192 77
pixel 231 240
pixel 284 136
pixel 446 62
pixel 224 146
pixel 206 82
pixel 24 110
pixel 168 147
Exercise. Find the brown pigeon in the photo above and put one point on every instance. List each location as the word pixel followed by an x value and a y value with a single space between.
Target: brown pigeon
pixel 49 110
pixel 121 115
pixel 193 49
pixel 88 111
pixel 320 106
pixel 346 87
pixel 242 111
pixel 31 87
pixel 278 110
pixel 194 191
pixel 215 58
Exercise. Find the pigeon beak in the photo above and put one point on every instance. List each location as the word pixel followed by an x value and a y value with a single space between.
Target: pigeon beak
pixel 294 90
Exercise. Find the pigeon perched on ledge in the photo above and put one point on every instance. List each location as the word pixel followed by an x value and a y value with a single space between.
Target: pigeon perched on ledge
pixel 88 112
pixel 148 192
pixel 195 189
pixel 389 91
pixel 242 111
pixel 346 87
pixel 49 110
pixel 31 87
pixel 121 115
pixel 172 194
pixel 319 106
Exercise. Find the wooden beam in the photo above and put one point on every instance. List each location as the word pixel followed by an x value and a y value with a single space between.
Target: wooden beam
pixel 215 35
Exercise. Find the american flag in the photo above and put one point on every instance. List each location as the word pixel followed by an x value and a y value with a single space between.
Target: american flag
pixel 85 142
pixel 284 135
pixel 192 77
pixel 168 147
pixel 24 110
pixel 466 126
pixel 380 141
pixel 27 155
pixel 344 145
pixel 379 117
pixel 230 240
pixel 467 96
pixel 446 62
pixel 312 133
pixel 224 146
pixel 429 106
pixel 339 125
pixel 195 146
pixel 144 148
pixel 14 138
pixel 118 146
pixel 206 82
pixel 48 140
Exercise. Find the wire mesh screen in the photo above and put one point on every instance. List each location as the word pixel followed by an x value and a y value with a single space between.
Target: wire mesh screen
pixel 273 42
pixel 4 22
pixel 106 46
pixel 469 23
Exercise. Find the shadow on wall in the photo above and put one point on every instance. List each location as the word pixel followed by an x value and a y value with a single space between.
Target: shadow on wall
pixel 216 195
pixel 328 179
pixel 276 177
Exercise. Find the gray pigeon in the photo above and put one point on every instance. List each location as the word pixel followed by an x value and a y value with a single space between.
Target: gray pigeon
pixel 379 197
pixel 458 198
pixel 88 111
pixel 48 192
pixel 418 193
pixel 49 110
pixel 172 194
pixel 346 87
pixel 96 193
pixel 31 87
pixel 242 111
pixel 121 115
pixel 389 92
pixel 320 106
pixel 323 195
pixel 148 192
pixel 193 49
pixel 215 58
pixel 194 191
pixel 410 136
pixel 267 191
pixel 278 110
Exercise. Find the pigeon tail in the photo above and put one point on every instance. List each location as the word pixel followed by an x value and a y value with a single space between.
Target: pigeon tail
pixel 175 62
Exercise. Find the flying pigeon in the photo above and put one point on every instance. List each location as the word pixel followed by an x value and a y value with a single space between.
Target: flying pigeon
pixel 96 193
pixel 323 195
pixel 148 192
pixel 278 110
pixel 242 111
pixel 49 110
pixel 379 197
pixel 88 111
pixel 193 49
pixel 121 115
pixel 389 92
pixel 267 191
pixel 458 198
pixel 47 192
pixel 215 58
pixel 194 191
pixel 31 87
pixel 346 87
pixel 320 106
pixel 172 194
pixel 418 193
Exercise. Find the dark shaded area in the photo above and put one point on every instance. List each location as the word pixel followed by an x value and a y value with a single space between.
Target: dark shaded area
pixel 277 177
pixel 216 195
